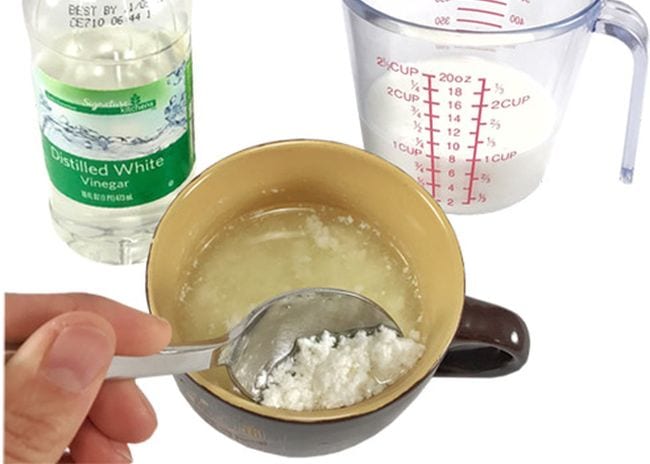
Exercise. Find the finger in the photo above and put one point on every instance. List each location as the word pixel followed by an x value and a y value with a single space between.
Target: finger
pixel 138 334
pixel 122 413
pixel 50 384
pixel 90 445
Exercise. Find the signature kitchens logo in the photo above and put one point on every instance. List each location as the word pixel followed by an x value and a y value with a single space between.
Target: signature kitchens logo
pixel 133 105
pixel 87 105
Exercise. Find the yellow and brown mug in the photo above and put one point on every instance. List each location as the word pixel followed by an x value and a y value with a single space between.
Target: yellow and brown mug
pixel 463 337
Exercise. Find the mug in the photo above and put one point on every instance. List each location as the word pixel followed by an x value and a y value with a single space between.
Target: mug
pixel 463 337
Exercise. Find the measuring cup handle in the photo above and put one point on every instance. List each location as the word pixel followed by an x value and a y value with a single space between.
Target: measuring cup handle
pixel 491 341
pixel 621 21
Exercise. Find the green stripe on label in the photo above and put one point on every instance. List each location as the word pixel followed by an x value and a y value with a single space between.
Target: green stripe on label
pixel 107 108
pixel 119 184
pixel 106 102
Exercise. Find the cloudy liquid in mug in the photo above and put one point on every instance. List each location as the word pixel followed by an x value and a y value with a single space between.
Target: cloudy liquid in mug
pixel 264 254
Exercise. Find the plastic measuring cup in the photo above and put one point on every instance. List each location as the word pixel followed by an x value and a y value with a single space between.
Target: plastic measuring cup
pixel 467 95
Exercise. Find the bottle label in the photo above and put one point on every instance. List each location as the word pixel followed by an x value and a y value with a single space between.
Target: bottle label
pixel 118 148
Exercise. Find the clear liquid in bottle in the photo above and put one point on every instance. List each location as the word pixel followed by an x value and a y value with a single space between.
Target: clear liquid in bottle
pixel 114 92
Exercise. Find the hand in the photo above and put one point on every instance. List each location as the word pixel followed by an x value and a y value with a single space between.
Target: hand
pixel 57 407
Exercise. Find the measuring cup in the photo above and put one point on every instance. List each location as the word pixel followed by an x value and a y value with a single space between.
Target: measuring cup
pixel 467 95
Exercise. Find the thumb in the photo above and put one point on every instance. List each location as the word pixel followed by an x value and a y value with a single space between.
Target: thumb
pixel 51 383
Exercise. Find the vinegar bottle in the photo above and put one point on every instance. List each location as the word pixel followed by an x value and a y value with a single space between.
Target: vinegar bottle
pixel 113 83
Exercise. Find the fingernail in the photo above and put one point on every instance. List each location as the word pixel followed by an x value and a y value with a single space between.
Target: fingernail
pixel 123 451
pixel 78 355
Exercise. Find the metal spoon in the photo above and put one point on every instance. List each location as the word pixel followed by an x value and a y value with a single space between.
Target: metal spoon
pixel 263 339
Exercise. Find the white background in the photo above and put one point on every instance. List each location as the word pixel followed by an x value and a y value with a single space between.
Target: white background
pixel 573 259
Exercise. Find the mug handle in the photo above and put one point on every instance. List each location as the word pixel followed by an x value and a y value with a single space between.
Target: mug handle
pixel 622 22
pixel 491 341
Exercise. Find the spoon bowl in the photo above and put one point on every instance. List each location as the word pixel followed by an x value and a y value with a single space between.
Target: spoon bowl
pixel 264 338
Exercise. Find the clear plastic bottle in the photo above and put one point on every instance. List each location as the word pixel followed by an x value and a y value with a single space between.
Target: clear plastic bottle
pixel 114 92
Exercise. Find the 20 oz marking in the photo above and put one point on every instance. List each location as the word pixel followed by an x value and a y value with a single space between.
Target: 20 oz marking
pixel 455 78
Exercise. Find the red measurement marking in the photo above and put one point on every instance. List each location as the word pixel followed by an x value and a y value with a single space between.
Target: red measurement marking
pixel 477 142
pixel 478 10
pixel 432 143
pixel 496 2
pixel 483 23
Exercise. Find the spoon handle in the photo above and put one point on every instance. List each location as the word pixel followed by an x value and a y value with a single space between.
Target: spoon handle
pixel 171 360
